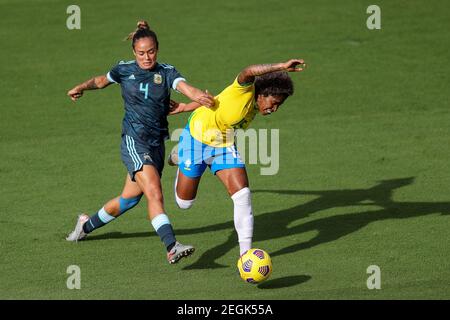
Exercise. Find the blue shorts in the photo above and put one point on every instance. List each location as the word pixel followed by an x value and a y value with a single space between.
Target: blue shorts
pixel 136 153
pixel 194 156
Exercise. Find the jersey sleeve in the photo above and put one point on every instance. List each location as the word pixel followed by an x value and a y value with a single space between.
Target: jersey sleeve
pixel 242 88
pixel 114 75
pixel 173 76
pixel 234 103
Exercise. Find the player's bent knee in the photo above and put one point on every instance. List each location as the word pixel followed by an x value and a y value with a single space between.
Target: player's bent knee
pixel 128 203
pixel 183 204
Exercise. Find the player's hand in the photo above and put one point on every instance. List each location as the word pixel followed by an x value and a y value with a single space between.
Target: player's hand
pixel 75 93
pixel 176 107
pixel 173 105
pixel 206 99
pixel 294 65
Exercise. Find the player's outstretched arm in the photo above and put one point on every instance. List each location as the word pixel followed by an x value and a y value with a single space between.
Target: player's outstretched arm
pixel 248 74
pixel 195 94
pixel 98 82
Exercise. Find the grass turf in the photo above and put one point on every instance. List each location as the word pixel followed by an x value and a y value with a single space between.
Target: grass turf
pixel 364 155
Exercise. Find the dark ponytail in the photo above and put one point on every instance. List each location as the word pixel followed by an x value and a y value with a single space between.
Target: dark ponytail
pixel 142 31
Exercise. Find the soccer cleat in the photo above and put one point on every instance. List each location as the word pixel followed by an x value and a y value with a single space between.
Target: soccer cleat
pixel 78 233
pixel 179 251
pixel 173 157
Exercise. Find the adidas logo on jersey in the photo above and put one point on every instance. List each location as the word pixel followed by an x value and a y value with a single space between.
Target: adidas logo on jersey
pixel 132 77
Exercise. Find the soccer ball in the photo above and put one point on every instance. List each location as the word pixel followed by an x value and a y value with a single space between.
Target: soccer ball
pixel 254 265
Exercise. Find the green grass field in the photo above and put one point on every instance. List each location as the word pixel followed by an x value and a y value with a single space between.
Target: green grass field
pixel 364 151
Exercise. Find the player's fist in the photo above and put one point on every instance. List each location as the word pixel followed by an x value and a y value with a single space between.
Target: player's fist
pixel 75 93
pixel 294 65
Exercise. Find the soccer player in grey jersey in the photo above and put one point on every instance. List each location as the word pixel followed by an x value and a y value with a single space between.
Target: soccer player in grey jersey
pixel 146 86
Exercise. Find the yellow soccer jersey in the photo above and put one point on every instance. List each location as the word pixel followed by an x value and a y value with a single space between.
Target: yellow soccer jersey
pixel 235 108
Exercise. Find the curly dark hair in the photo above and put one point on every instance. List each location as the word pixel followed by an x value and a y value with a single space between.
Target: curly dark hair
pixel 274 84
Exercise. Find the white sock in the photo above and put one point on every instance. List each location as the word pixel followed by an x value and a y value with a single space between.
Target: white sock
pixel 182 204
pixel 243 218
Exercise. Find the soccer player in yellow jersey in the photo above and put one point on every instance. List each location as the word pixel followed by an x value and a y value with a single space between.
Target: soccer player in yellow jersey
pixel 208 139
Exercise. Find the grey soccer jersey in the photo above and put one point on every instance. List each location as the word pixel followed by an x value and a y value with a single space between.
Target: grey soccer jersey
pixel 146 95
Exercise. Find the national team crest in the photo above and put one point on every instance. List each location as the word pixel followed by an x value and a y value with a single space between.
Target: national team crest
pixel 157 78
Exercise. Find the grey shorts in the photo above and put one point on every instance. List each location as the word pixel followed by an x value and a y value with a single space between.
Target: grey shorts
pixel 136 154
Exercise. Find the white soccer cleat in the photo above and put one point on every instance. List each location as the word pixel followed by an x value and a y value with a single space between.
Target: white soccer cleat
pixel 78 233
pixel 179 251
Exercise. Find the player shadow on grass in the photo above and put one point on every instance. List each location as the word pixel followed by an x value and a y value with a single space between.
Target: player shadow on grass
pixel 274 225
